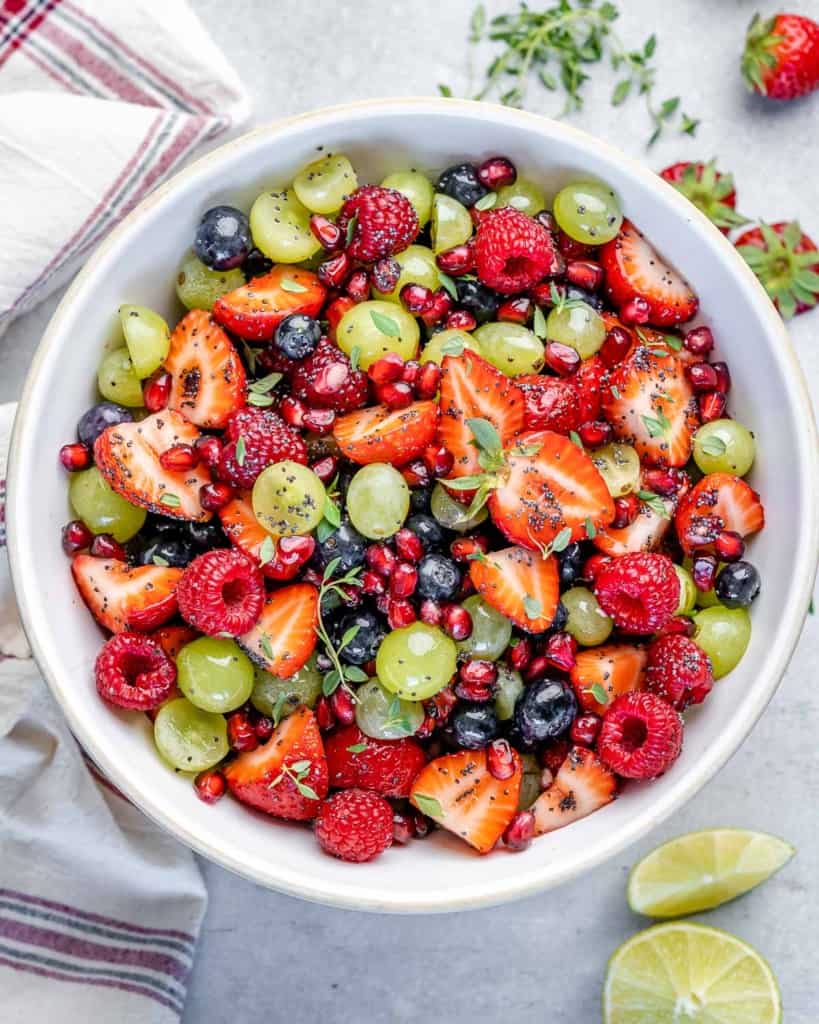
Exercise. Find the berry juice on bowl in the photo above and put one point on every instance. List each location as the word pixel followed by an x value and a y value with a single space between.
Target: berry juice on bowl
pixel 426 513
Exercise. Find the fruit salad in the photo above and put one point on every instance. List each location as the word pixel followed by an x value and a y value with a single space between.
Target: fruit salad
pixel 427 513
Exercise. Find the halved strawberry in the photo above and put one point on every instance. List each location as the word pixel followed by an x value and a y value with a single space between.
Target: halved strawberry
pixel 122 597
pixel 611 670
pixel 520 584
pixel 255 310
pixel 127 455
pixel 173 638
pixel 471 388
pixel 650 404
pixel 285 635
pixel 208 376
pixel 634 269
pixel 645 533
pixel 389 767
pixel 242 527
pixel 718 502
pixel 550 403
pixel 287 776
pixel 582 785
pixel 379 434
pixel 459 792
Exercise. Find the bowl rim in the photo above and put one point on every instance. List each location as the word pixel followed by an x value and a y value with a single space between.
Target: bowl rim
pixel 546 875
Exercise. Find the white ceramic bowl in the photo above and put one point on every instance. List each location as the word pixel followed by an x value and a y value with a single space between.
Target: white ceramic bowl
pixel 137 264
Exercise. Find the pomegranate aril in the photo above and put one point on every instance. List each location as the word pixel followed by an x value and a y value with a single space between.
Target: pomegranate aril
pixel 214 496
pixel 467 587
pixel 546 220
pixel 515 311
pixel 541 294
pixel 703 376
pixel 616 345
pixel 397 395
pixel 584 274
pixel 415 297
pixel 704 571
pixel 520 831
pixel 461 320
pixel 409 375
pixel 290 555
pixel 635 311
pixel 699 341
pixel 385 274
pixel 571 249
pixel 430 612
pixel 428 380
pixel 729 546
pixel 456 621
pixel 335 311
pixel 292 411
pixel 438 309
pixel 678 625
pixel 381 559
pixel 263 727
pixel 75 457
pixel 157 392
pixel 104 546
pixel 457 261
pixel 711 405
pixel 464 548
pixel 661 481
pixel 332 272
pixel 496 172
pixel 423 825
pixel 400 613
pixel 241 734
pixel 440 706
pixel 593 564
pixel 702 530
pixel 326 468
pixel 403 828
pixel 408 545
pixel 330 379
pixel 560 652
pixel 372 584
pixel 210 785
pixel 477 681
pixel 403 581
pixel 500 760
pixel 584 729
pixel 358 286
pixel 387 369
pixel 76 537
pixel 320 421
pixel 324 715
pixel 521 653
pixel 439 460
pixel 563 359
pixel 416 473
pixel 723 377
pixel 180 457
pixel 342 704
pixel 625 511
pixel 594 433
pixel 209 449
pixel 326 232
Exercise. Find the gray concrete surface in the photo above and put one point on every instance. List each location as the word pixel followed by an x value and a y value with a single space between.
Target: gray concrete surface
pixel 277 959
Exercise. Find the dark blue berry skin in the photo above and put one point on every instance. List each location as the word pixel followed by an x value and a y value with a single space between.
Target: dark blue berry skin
pixel 346 544
pixel 207 536
pixel 176 550
pixel 481 301
pixel 571 561
pixel 420 498
pixel 560 619
pixel 738 585
pixel 364 645
pixel 544 710
pixel 472 726
pixel 223 238
pixel 98 417
pixel 297 336
pixel 256 264
pixel 461 182
pixel 439 578
pixel 428 530
pixel 575 294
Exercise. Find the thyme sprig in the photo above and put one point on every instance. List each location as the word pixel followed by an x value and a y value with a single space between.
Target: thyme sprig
pixel 340 674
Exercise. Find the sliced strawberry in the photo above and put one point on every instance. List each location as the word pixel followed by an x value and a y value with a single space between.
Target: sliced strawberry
pixel 173 638
pixel 379 434
pixel 556 487
pixel 287 776
pixel 520 584
pixel 285 635
pixel 634 269
pixel 734 503
pixel 550 403
pixel 121 597
pixel 389 767
pixel 242 527
pixel 458 791
pixel 471 388
pixel 127 455
pixel 611 670
pixel 207 374
pixel 582 785
pixel 650 404
pixel 255 310
pixel 645 533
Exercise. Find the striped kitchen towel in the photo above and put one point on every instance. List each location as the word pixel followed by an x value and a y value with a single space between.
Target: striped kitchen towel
pixel 99 908
pixel 99 100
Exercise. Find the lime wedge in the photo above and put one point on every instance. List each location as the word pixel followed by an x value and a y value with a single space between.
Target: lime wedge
pixel 701 870
pixel 684 973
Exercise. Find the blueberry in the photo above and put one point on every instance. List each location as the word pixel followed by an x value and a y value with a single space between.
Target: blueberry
pixel 297 335
pixel 438 578
pixel 346 544
pixel 207 536
pixel 473 726
pixel 427 530
pixel 481 301
pixel 575 294
pixel 98 417
pixel 420 498
pixel 560 619
pixel 571 559
pixel 544 710
pixel 461 182
pixel 223 238
pixel 737 585
pixel 175 550
pixel 364 645
pixel 256 264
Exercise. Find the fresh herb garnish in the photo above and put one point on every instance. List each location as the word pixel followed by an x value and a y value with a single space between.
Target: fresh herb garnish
pixel 265 384
pixel 267 552
pixel 656 427
pixel 159 560
pixel 599 693
pixel 355 356
pixel 278 708
pixel 289 285
pixel 448 285
pixel 385 324
pixel 655 503
pixel 487 202
pixel 170 500
pixel 241 450
pixel 574 437
pixel 262 401
pixel 713 445
pixel 428 805
pixel 539 323
pixel 340 673
pixel 297 773
pixel 351 229
pixel 452 347
pixel 267 650
pixel 532 607
pixel 591 529
pixel 357 748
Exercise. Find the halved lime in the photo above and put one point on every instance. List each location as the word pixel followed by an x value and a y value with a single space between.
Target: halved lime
pixel 702 870
pixel 684 973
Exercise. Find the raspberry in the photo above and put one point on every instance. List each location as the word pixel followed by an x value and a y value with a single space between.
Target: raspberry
pixel 132 671
pixel 254 439
pixel 639 591
pixel 679 671
pixel 221 591
pixel 354 825
pixel 387 767
pixel 325 380
pixel 641 736
pixel 386 223
pixel 512 251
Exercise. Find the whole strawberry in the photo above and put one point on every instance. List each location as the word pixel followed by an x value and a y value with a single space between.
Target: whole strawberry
pixel 710 190
pixel 781 58
pixel 786 262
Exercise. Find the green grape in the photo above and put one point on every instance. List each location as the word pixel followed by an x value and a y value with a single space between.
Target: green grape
pixel 619 465
pixel 587 622
pixel 703 598
pixel 384 716
pixel 724 635
pixel 323 185
pixel 214 674
pixel 451 513
pixel 455 341
pixel 588 212
pixel 198 287
pixel 188 738
pixel 491 631
pixel 277 697
pixel 117 380
pixel 688 592
pixel 510 687
pixel 147 338
pixel 288 499
pixel 378 500
pixel 417 188
pixel 418 266
pixel 523 195
pixel 724 446
pixel 416 662
pixel 531 783
pixel 280 226
pixel 451 223
pixel 376 328
pixel 101 508
pixel 577 325
pixel 511 348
